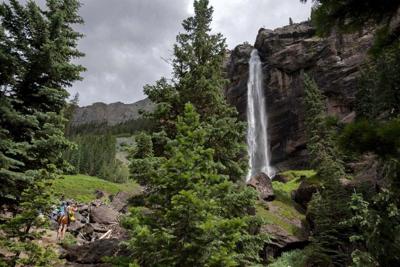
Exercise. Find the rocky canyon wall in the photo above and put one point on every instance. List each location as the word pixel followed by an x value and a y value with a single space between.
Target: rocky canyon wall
pixel 286 54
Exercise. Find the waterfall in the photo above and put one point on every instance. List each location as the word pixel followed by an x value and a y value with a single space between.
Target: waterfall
pixel 257 135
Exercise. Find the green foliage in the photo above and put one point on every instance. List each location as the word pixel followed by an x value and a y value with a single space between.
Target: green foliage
pixel 36 50
pixel 294 258
pixel 379 225
pixel 142 163
pixel 82 187
pixel 69 240
pixel 197 216
pixel 144 146
pixel 381 138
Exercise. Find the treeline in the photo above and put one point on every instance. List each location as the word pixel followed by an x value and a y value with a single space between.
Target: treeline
pixel 95 147
pixel 125 128
pixel 95 155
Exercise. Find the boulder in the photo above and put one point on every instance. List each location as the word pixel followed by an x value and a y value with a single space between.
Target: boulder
pixel 75 226
pixel 281 241
pixel 82 218
pixel 280 178
pixel 103 215
pixel 94 252
pixel 303 194
pixel 99 194
pixel 262 183
pixel 83 208
pixel 120 201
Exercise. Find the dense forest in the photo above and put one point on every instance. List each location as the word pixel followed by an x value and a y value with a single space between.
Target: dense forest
pixel 127 128
pixel 95 155
pixel 191 160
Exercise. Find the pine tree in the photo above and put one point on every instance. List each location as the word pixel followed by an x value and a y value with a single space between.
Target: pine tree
pixel 320 138
pixel 329 207
pixel 197 216
pixel 198 78
pixel 38 49
pixel 143 163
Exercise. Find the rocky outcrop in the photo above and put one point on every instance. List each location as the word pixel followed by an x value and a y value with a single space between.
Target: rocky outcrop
pixel 95 252
pixel 304 193
pixel 287 53
pixel 104 215
pixel 281 241
pixel 97 231
pixel 110 114
pixel 263 185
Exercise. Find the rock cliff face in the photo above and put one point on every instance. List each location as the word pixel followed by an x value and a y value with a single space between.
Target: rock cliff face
pixel 110 114
pixel 287 53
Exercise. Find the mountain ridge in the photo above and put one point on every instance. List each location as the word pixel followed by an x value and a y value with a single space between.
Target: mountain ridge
pixel 110 114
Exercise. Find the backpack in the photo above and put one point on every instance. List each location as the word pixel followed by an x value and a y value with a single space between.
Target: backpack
pixel 71 215
pixel 62 210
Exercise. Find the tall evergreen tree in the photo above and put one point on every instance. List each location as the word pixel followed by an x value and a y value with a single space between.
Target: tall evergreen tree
pixel 197 216
pixel 38 46
pixel 198 78
pixel 329 207
pixel 320 137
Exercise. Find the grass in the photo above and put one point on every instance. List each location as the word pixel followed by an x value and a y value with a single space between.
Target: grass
pixel 81 187
pixel 69 239
pixel 283 190
pixel 296 174
pixel 273 218
pixel 294 258
pixel 285 209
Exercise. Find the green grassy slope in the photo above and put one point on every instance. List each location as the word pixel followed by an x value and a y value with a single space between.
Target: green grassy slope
pixel 283 210
pixel 81 187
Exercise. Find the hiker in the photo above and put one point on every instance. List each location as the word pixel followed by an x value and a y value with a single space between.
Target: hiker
pixel 65 217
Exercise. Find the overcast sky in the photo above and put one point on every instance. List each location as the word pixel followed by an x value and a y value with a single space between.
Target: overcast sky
pixel 126 40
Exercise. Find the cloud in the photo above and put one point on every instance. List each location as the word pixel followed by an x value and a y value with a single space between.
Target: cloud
pixel 126 40
pixel 240 20
pixel 124 43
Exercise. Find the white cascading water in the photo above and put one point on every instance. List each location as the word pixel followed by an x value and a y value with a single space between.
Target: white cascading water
pixel 257 135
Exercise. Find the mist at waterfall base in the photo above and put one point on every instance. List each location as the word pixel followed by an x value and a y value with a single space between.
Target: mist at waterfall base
pixel 257 120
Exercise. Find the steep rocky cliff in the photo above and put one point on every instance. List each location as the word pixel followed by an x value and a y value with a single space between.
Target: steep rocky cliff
pixel 286 53
pixel 110 114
